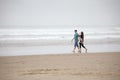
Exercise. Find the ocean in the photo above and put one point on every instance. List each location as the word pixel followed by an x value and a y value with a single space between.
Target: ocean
pixel 28 40
pixel 57 32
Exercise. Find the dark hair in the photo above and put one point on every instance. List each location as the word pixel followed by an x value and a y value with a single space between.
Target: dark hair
pixel 75 30
pixel 82 36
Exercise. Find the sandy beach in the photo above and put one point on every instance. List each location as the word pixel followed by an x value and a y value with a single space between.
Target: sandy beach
pixel 91 66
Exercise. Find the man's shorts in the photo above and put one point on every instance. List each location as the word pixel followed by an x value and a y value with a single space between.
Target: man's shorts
pixel 76 44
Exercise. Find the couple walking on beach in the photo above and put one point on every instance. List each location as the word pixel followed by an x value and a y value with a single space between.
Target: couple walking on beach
pixel 79 41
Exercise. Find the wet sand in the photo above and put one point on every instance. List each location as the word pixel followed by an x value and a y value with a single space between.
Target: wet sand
pixel 99 66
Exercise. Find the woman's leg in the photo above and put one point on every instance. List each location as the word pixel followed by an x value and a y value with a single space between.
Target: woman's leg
pixel 84 47
pixel 80 46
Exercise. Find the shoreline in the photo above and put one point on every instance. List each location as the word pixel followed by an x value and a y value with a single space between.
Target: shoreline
pixel 63 54
pixel 55 49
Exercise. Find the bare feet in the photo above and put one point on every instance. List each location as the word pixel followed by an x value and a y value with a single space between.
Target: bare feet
pixel 78 50
pixel 73 51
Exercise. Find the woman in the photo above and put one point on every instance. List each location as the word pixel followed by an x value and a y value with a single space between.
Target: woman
pixel 81 41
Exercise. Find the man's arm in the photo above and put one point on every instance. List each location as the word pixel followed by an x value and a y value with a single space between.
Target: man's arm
pixel 72 39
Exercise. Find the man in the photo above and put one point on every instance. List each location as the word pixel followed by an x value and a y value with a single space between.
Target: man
pixel 75 38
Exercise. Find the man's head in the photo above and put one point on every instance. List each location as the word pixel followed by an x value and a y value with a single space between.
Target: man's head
pixel 75 31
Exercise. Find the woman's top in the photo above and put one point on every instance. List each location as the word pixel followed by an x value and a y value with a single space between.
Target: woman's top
pixel 80 39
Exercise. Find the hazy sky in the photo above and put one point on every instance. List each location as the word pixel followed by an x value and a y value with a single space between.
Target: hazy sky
pixel 59 12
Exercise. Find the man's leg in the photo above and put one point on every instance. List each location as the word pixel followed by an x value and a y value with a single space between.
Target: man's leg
pixel 74 49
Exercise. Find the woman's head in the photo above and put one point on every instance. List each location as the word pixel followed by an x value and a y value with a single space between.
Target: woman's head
pixel 82 33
